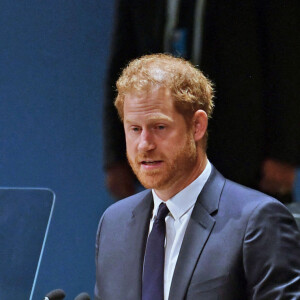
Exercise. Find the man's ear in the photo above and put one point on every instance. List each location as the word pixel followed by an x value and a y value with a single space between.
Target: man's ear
pixel 200 121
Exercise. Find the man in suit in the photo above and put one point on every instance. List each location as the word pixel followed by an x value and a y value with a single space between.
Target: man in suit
pixel 215 239
pixel 249 49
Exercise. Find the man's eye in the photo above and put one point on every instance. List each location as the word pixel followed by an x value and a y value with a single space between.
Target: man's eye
pixel 161 127
pixel 135 129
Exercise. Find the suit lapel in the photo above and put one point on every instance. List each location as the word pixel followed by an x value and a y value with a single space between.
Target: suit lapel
pixel 137 237
pixel 196 235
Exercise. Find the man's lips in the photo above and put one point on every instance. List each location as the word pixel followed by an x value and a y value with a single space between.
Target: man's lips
pixel 151 163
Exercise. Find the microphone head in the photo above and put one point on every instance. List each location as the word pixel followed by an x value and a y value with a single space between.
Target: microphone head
pixel 58 294
pixel 83 296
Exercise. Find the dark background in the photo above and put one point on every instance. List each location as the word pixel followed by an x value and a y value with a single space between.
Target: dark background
pixel 52 61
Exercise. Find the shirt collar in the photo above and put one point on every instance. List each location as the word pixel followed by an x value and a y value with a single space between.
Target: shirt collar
pixel 183 201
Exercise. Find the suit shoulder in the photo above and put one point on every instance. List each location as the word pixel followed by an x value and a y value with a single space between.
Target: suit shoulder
pixel 126 205
pixel 254 211
pixel 240 200
pixel 238 192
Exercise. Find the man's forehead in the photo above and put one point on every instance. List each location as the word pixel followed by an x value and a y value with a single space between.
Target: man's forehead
pixel 155 99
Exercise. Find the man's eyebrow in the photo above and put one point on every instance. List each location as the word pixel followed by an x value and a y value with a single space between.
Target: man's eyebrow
pixel 152 118
pixel 160 118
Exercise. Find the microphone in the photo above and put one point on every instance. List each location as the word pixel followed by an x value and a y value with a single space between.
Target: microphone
pixel 83 296
pixel 58 294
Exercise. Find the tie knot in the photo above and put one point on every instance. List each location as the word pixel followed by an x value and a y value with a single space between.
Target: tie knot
pixel 162 211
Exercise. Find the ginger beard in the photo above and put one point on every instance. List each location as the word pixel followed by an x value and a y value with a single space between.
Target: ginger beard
pixel 175 165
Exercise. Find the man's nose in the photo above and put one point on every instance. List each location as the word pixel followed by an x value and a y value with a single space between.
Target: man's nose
pixel 146 142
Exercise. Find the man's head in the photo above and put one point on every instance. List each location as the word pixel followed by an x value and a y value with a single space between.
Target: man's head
pixel 189 88
pixel 164 103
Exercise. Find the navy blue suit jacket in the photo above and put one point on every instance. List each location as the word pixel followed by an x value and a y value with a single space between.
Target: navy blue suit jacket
pixel 239 244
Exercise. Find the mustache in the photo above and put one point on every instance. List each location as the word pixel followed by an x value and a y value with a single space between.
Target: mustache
pixel 141 158
pixel 148 157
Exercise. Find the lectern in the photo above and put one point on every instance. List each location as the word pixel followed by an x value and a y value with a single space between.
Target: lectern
pixel 25 215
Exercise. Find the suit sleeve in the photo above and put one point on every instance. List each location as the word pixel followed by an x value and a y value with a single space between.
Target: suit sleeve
pixel 272 254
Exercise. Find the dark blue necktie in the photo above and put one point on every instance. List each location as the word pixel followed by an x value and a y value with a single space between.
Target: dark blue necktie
pixel 153 276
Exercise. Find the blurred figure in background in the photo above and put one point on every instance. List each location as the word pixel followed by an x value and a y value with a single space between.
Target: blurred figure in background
pixel 192 234
pixel 250 51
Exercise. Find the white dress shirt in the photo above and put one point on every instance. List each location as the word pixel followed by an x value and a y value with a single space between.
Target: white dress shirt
pixel 180 207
